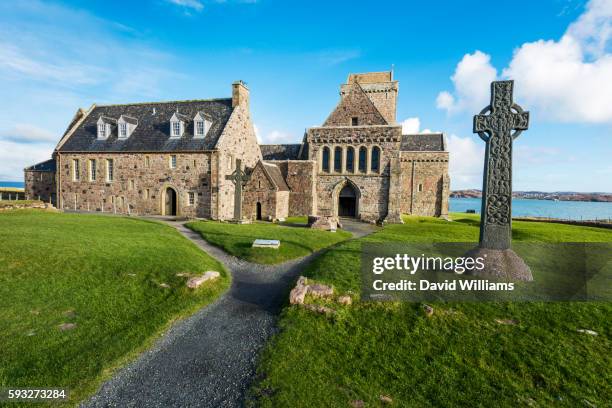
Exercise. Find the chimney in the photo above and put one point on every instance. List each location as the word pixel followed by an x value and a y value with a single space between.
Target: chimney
pixel 240 94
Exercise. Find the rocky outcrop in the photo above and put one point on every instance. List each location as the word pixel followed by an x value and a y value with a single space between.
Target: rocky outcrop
pixel 197 281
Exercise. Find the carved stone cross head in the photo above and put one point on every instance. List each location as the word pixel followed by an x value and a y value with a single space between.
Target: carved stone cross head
pixel 504 116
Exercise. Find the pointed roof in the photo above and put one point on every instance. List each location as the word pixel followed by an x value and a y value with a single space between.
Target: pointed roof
pixel 355 103
pixel 273 174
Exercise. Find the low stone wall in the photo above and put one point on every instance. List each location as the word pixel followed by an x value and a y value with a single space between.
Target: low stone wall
pixel 24 204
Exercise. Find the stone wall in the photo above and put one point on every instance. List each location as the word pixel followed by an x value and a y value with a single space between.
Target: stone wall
pixel 238 141
pixel 40 185
pixel 372 186
pixel 427 172
pixel 136 188
pixel 300 176
pixel 383 95
pixel 355 103
pixel 259 189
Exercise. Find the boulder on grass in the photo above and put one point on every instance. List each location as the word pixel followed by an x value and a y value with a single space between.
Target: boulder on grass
pixel 345 300
pixel 318 290
pixel 195 282
pixel 297 294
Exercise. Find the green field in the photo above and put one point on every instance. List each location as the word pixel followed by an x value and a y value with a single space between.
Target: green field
pixel 295 241
pixel 105 274
pixel 460 356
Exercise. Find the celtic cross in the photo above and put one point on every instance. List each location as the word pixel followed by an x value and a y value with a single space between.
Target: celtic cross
pixel 498 125
pixel 239 178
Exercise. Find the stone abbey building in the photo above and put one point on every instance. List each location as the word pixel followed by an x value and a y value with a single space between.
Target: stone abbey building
pixel 173 158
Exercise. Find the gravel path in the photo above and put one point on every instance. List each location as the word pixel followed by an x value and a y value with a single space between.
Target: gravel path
pixel 209 359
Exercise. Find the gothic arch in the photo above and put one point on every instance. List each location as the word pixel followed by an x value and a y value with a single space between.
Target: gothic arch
pixel 336 195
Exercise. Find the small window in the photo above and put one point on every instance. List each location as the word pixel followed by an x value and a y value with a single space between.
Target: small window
pixel 101 130
pixel 173 161
pixel 122 129
pixel 350 159
pixel 258 183
pixel 325 159
pixel 146 194
pixel 194 164
pixel 191 196
pixel 354 121
pixel 200 128
pixel 76 175
pixel 147 162
pixel 420 187
pixel 132 185
pixel 92 170
pixel 338 159
pixel 363 156
pixel 176 128
pixel 109 170
pixel 375 165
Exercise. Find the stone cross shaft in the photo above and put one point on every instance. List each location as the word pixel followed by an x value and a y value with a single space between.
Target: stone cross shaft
pixel 498 125
pixel 239 178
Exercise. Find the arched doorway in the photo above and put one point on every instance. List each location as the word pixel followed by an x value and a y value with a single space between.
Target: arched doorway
pixel 170 201
pixel 258 208
pixel 347 201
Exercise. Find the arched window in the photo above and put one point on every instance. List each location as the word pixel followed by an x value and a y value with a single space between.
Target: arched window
pixel 363 157
pixel 350 159
pixel 375 165
pixel 325 159
pixel 338 159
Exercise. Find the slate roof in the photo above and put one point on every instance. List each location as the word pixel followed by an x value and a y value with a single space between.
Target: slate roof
pixel 47 166
pixel 280 151
pixel 153 131
pixel 276 176
pixel 423 142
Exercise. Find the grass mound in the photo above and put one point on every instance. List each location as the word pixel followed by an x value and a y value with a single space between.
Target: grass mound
pixel 114 278
pixel 465 354
pixel 237 239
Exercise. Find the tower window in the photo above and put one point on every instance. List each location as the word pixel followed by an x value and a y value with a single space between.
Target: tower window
pixel 325 159
pixel 173 161
pixel 420 187
pixel 375 165
pixel 350 159
pixel 338 159
pixel 363 155
pixel 354 121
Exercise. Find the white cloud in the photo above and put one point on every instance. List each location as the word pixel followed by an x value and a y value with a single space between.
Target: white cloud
pixel 566 80
pixel 278 137
pixel 15 156
pixel 466 162
pixel 23 132
pixel 188 4
pixel 411 126
pixel 472 79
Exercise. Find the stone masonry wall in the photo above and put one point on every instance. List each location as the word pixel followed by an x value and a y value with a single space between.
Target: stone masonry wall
pixel 136 188
pixel 259 189
pixel 430 171
pixel 300 176
pixel 373 186
pixel 40 185
pixel 238 141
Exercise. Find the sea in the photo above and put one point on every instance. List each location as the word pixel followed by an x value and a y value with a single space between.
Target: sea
pixel 567 210
pixel 521 207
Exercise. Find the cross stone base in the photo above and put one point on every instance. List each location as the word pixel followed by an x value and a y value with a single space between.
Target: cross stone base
pixel 500 263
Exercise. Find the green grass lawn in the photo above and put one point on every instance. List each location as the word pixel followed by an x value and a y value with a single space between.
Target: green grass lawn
pixel 102 273
pixel 460 356
pixel 238 239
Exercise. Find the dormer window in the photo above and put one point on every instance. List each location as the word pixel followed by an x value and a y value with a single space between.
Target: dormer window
pixel 101 131
pixel 201 125
pixel 177 125
pixel 127 124
pixel 105 126
pixel 176 129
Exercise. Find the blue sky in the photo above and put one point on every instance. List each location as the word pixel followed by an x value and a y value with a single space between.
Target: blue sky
pixel 58 56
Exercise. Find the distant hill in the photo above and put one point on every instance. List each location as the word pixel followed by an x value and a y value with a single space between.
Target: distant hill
pixel 541 195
